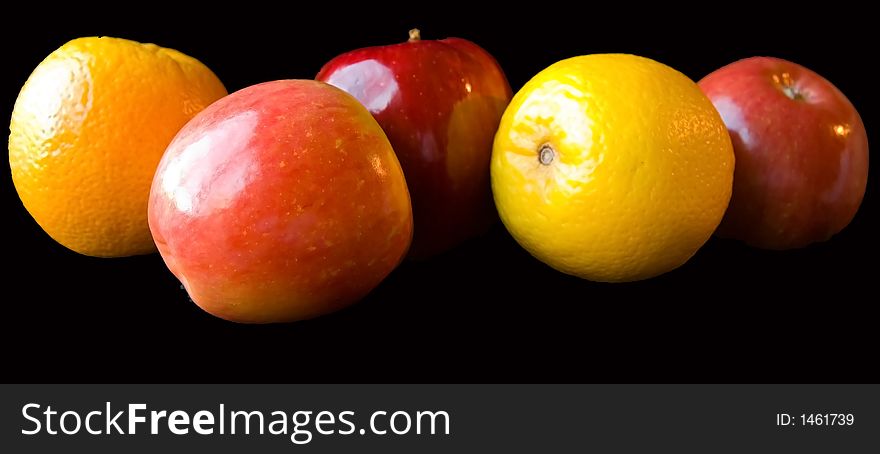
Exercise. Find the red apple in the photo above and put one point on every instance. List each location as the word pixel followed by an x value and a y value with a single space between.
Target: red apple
pixel 801 153
pixel 440 103
pixel 280 202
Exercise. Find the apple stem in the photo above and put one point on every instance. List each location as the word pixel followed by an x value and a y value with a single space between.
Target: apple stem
pixel 415 35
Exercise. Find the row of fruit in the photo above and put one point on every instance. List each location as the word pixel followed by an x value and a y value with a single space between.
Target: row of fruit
pixel 291 199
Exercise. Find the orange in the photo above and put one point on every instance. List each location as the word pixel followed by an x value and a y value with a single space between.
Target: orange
pixel 611 167
pixel 88 130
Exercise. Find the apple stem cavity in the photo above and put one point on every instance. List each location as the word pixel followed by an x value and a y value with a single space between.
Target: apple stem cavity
pixel 786 84
pixel 415 35
pixel 546 154
pixel 793 93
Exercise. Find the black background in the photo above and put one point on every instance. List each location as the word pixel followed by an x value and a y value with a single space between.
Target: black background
pixel 487 311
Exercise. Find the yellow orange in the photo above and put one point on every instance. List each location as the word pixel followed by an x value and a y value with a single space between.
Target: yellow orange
pixel 88 130
pixel 611 167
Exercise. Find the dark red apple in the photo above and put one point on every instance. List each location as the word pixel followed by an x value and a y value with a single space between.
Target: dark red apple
pixel 280 202
pixel 440 103
pixel 801 153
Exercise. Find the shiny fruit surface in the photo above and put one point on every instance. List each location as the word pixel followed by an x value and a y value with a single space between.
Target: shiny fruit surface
pixel 280 202
pixel 801 153
pixel 87 131
pixel 611 167
pixel 439 102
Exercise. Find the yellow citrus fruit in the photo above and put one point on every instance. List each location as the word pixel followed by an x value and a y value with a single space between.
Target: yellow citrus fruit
pixel 611 167
pixel 88 130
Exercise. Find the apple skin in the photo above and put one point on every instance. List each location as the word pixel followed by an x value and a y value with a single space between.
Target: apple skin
pixel 440 103
pixel 280 202
pixel 801 153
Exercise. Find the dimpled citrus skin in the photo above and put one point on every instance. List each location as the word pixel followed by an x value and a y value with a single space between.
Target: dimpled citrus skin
pixel 641 169
pixel 88 130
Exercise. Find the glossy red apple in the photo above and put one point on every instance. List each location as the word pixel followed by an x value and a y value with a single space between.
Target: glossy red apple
pixel 801 153
pixel 280 202
pixel 440 103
